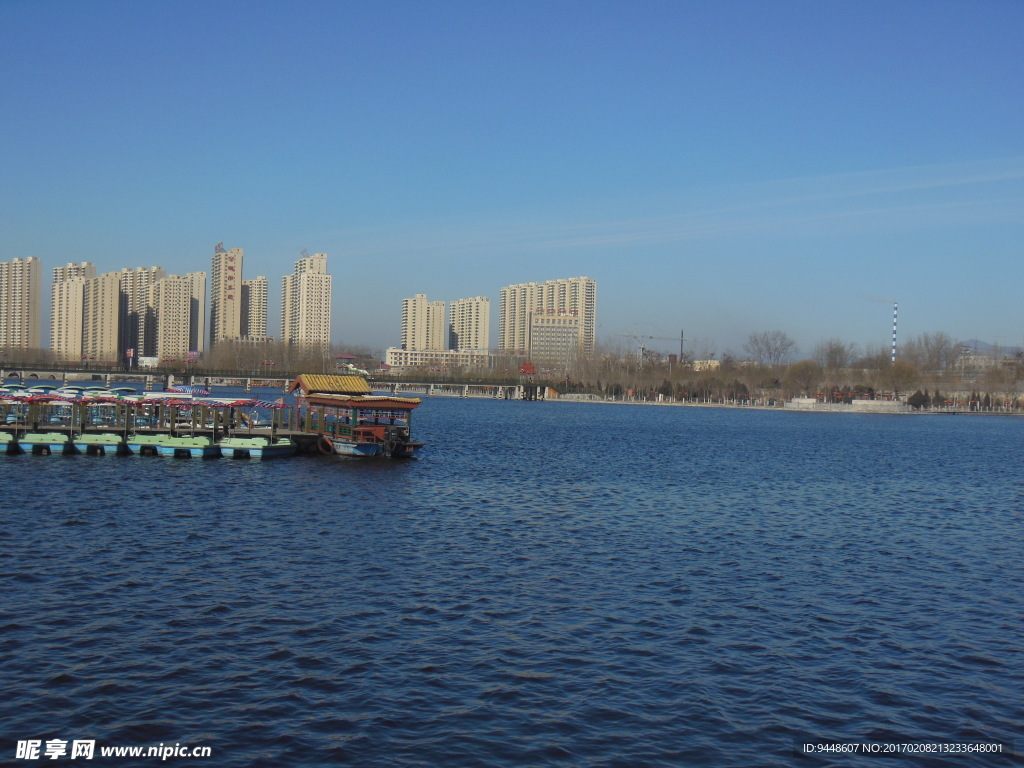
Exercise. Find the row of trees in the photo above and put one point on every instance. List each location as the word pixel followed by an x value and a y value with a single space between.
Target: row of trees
pixel 835 371
pixel 272 359
pixel 766 370
pixel 926 352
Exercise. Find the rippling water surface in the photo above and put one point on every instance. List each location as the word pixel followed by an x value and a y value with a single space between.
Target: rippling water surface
pixel 549 584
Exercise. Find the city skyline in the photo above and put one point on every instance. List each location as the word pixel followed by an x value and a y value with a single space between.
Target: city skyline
pixel 138 296
pixel 723 169
pixel 135 284
pixel 143 312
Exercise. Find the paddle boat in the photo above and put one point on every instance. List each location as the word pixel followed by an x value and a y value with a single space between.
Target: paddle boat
pixel 255 448
pixel 45 443
pixel 99 443
pixel 9 443
pixel 196 447
pixel 144 445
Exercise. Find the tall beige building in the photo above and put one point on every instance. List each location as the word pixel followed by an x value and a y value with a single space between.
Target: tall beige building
pixel 554 339
pixel 67 310
pixel 135 310
pixel 306 303
pixel 85 269
pixel 173 320
pixel 226 295
pixel 469 324
pixel 101 318
pixel 169 320
pixel 522 307
pixel 423 324
pixel 21 304
pixel 254 308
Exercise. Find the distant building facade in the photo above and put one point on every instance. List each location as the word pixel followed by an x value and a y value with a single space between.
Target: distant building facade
pixel 134 309
pixel 306 303
pixel 226 295
pixel 423 324
pixel 21 304
pixel 101 319
pixel 556 319
pixel 67 310
pixel 134 305
pixel 554 339
pixel 436 360
pixel 254 308
pixel 171 304
pixel 119 317
pixel 437 343
pixel 469 324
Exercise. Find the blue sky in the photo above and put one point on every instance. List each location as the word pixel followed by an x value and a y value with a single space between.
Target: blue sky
pixel 721 167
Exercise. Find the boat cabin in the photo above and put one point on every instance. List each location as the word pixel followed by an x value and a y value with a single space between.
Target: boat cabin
pixel 352 420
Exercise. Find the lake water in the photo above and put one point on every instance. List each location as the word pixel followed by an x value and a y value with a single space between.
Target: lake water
pixel 549 584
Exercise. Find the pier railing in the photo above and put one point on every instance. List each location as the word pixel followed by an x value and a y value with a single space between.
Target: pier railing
pixel 159 379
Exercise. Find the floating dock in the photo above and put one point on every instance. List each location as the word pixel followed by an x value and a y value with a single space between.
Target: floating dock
pixel 253 445
pixel 46 426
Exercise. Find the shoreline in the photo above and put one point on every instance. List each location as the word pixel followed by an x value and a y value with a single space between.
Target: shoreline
pixel 824 408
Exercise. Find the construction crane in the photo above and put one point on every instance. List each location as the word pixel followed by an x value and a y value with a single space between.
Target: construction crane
pixel 642 347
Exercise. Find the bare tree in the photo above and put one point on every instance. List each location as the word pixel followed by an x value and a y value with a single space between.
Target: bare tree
pixel 770 347
pixel 803 377
pixel 834 355
pixel 934 352
pixel 701 349
pixel 899 376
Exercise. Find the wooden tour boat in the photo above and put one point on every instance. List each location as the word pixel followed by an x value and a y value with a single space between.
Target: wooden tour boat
pixel 351 420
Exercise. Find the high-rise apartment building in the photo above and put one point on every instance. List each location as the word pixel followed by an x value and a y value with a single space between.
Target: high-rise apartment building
pixel 173 320
pixel 85 269
pixel 134 310
pixel 525 310
pixel 254 308
pixel 66 319
pixel 169 321
pixel 431 340
pixel 423 324
pixel 101 318
pixel 469 324
pixel 67 310
pixel 20 304
pixel 306 303
pixel 226 295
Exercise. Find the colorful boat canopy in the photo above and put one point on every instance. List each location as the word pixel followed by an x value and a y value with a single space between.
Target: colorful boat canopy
pixel 189 389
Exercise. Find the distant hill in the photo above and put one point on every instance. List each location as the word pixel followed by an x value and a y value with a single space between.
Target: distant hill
pixel 984 348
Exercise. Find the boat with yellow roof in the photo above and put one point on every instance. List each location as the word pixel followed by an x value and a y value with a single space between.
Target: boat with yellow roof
pixel 351 420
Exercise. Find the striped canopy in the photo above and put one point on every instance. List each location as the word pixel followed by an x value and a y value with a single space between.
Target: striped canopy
pixel 189 389
pixel 257 404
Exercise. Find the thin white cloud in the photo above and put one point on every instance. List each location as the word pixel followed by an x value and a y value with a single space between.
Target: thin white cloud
pixel 883 200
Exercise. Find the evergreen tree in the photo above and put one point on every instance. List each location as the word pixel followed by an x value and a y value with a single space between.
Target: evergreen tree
pixel 917 400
